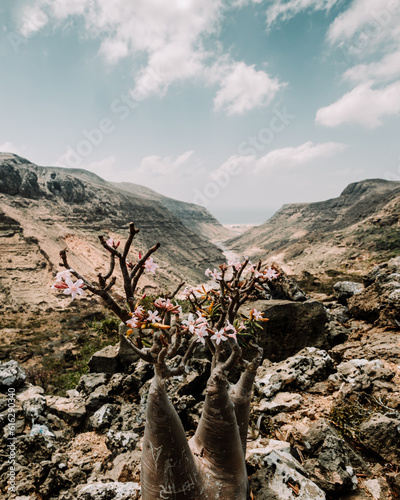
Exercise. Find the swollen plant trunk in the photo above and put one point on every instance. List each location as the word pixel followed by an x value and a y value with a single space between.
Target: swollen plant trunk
pixel 168 467
pixel 211 466
pixel 240 395
pixel 218 445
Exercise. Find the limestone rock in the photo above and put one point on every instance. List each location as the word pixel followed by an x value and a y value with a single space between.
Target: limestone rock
pixel 309 366
pixel 90 381
pixel 34 407
pixel 99 397
pixel 106 491
pixel 382 435
pixel 360 375
pixel 282 402
pixel 332 461
pixel 103 416
pixel 281 477
pixel 72 410
pixel 379 302
pixel 121 441
pixel 106 361
pixel 11 374
pixel 346 289
pixel 339 312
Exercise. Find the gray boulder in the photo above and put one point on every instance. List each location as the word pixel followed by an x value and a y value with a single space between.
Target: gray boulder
pixel 106 491
pixel 297 372
pixel 379 303
pixel 381 434
pixel 72 410
pixel 106 360
pixel 346 289
pixel 12 375
pixel 332 462
pixel 360 375
pixel 291 326
pixel 280 476
pixel 90 381
pixel 121 441
pixel 103 416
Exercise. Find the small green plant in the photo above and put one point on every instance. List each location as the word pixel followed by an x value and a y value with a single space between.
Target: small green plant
pixel 108 326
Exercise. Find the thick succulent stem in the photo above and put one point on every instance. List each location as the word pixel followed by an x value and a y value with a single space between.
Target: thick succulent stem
pixel 218 445
pixel 240 395
pixel 168 466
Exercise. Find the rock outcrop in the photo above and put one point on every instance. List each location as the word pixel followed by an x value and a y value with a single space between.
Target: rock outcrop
pixel 291 326
pixel 380 301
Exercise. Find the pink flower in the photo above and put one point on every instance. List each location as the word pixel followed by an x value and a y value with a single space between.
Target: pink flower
pixel 73 288
pixel 193 324
pixel 201 333
pixel 62 275
pixel 139 312
pixel 230 328
pixel 188 291
pixel 236 264
pixel 218 336
pixel 242 326
pixel 253 269
pixel 190 323
pixel 270 274
pixel 153 317
pixel 133 322
pixel 150 265
pixel 168 306
pixel 213 274
pixel 257 315
pixel 111 243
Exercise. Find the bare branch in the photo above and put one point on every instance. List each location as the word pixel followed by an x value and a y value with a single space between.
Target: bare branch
pixel 176 343
pixel 143 260
pixel 112 250
pixel 142 353
pixel 111 269
pixel 181 367
pixel 132 233
pixel 181 284
pixel 235 355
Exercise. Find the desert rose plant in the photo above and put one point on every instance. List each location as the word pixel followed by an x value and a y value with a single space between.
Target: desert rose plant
pixel 211 465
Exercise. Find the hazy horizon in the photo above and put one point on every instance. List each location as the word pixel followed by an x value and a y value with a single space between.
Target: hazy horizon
pixel 239 106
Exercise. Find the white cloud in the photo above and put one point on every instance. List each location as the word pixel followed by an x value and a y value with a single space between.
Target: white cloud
pixel 232 167
pixel 10 147
pixel 281 10
pixel 244 88
pixel 363 105
pixel 383 70
pixel 367 19
pixel 165 166
pixel 294 156
pixel 175 40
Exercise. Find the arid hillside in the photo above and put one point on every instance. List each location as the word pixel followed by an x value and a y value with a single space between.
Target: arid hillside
pixel 46 209
pixel 347 233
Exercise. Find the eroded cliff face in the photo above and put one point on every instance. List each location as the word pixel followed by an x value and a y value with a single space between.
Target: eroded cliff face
pixel 195 217
pixel 349 231
pixel 46 209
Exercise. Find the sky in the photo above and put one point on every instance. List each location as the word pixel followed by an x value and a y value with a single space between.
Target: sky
pixel 240 106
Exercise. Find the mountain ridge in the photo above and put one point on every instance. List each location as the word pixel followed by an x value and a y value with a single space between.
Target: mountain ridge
pixel 326 233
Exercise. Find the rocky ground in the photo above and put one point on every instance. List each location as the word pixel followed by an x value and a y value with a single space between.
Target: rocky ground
pixel 325 417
